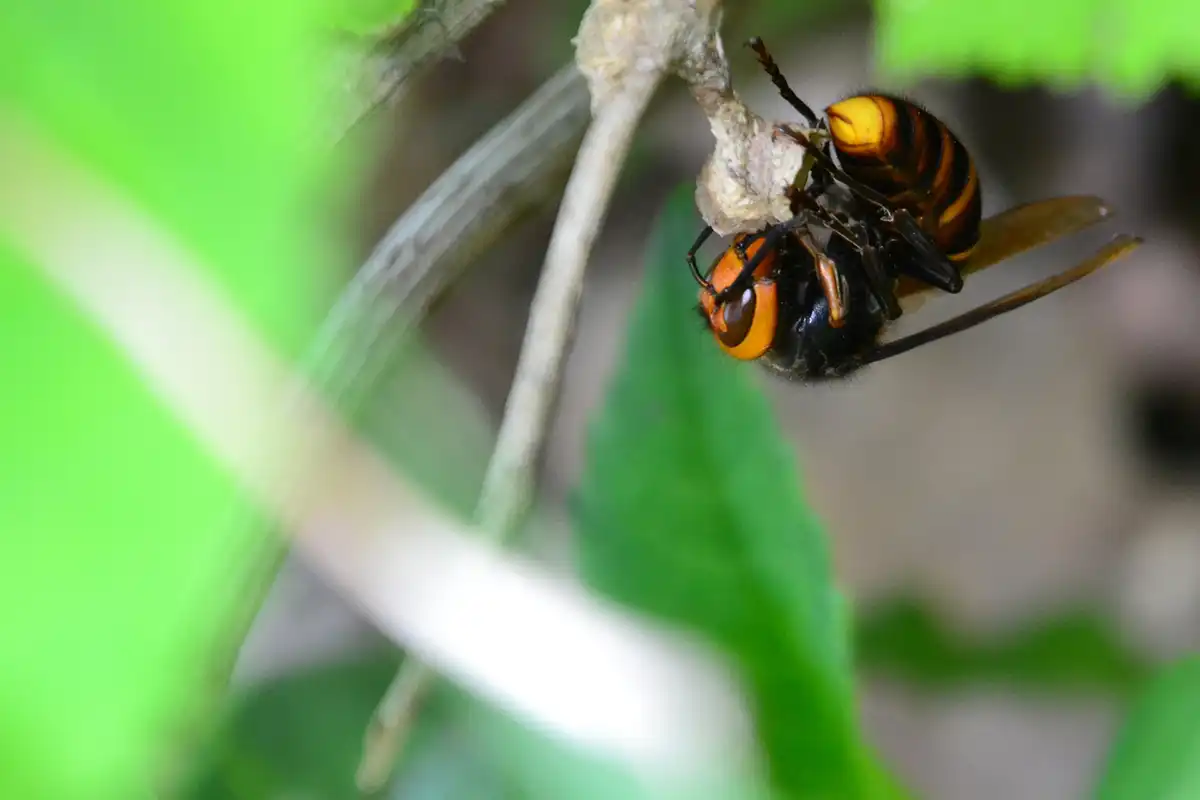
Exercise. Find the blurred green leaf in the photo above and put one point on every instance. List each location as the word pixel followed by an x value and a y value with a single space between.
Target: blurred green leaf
pixel 120 572
pixel 1131 45
pixel 690 510
pixel 782 18
pixel 1074 651
pixel 1156 755
pixel 369 18
pixel 300 736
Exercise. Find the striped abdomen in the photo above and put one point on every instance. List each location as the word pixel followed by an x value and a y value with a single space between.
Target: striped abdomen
pixel 911 157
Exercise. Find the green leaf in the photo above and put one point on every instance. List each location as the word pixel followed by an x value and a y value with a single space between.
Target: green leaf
pixel 119 570
pixel 1073 651
pixel 788 18
pixel 298 735
pixel 301 736
pixel 1156 755
pixel 370 18
pixel 1130 45
pixel 691 510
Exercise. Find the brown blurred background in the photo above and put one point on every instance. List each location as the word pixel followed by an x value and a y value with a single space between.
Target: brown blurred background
pixel 1042 463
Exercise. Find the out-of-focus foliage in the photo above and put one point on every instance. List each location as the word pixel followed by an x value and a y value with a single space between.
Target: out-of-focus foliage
pixel 300 736
pixel 370 18
pixel 118 572
pixel 906 639
pixel 302 733
pixel 1157 753
pixel 1130 45
pixel 773 18
pixel 689 511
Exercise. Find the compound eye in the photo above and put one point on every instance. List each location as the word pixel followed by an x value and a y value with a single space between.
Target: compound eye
pixel 737 318
pixel 745 325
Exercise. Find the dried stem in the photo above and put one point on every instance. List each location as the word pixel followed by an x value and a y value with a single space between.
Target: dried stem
pixel 508 485
pixel 513 169
pixel 480 196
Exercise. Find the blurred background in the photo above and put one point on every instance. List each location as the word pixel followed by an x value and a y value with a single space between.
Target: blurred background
pixel 1013 510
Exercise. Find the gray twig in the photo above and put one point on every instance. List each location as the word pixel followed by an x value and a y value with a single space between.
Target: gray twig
pixel 481 195
pixel 508 485
pixel 505 174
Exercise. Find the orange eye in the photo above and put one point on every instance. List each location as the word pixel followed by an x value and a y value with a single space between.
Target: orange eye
pixel 745 325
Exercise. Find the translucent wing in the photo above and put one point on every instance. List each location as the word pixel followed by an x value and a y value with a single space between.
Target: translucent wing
pixel 1018 230
pixel 1117 248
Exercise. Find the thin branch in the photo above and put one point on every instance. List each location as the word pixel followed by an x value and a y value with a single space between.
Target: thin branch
pixel 508 484
pixel 367 76
pixel 625 49
pixel 511 170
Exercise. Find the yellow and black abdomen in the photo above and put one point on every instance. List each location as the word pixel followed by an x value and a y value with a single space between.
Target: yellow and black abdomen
pixel 912 158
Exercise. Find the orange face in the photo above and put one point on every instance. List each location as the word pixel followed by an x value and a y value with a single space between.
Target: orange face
pixel 744 325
